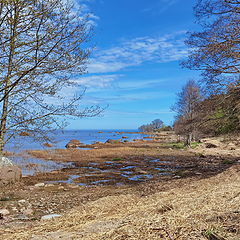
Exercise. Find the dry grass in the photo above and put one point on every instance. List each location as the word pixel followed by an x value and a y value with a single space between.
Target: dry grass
pixel 193 211
pixel 109 151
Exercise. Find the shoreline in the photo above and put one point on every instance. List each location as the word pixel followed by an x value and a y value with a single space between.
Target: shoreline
pixel 52 193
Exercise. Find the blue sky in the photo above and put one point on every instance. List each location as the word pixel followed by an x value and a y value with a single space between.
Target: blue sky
pixel 134 69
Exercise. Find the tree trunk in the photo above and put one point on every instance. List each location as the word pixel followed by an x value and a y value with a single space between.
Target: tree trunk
pixel 3 121
pixel 189 139
pixel 3 124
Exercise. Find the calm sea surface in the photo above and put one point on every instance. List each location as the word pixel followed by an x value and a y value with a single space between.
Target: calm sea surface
pixel 61 138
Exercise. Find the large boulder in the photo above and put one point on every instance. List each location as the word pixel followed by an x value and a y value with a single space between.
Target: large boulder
pixel 9 173
pixel 74 143
pixel 113 141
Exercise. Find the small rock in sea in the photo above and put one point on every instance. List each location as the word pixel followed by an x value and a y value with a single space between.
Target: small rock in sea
pixel 50 216
pixel 4 212
pixel 47 145
pixel 39 185
pixel 74 143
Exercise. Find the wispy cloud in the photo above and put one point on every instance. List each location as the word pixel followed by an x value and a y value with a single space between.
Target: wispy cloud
pixel 125 97
pixel 139 113
pixel 82 8
pixel 97 81
pixel 160 6
pixel 134 52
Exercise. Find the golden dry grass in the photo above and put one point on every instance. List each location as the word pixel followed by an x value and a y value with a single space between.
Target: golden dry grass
pixel 202 207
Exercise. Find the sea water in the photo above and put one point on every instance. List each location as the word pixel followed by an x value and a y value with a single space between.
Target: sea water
pixel 59 139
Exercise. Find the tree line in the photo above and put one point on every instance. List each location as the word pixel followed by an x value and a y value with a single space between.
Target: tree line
pixel 212 105
pixel 155 125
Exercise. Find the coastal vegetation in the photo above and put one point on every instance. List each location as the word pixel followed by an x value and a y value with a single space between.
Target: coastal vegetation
pixel 212 107
pixel 155 126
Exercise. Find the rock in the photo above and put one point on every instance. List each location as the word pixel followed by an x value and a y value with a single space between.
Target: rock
pixel 9 173
pixel 47 145
pixel 73 186
pixel 124 137
pixel 74 143
pixel 27 211
pixel 231 146
pixel 113 141
pixel 50 216
pixel 39 185
pixel 5 162
pixel 210 145
pixel 24 134
pixel 21 217
pixel 4 212
pixel 22 201
pixel 49 185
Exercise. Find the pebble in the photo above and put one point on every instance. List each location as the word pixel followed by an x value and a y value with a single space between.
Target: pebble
pixel 73 186
pixel 22 217
pixel 39 185
pixel 22 201
pixel 49 185
pixel 4 212
pixel 27 211
pixel 50 216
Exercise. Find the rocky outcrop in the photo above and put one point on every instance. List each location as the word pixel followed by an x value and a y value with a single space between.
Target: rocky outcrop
pixel 113 141
pixel 9 173
pixel 74 143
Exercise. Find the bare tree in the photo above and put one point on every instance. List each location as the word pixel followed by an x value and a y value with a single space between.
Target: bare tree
pixel 216 49
pixel 42 45
pixel 186 108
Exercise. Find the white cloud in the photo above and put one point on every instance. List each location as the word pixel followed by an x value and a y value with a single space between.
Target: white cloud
pixel 134 52
pixel 97 81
